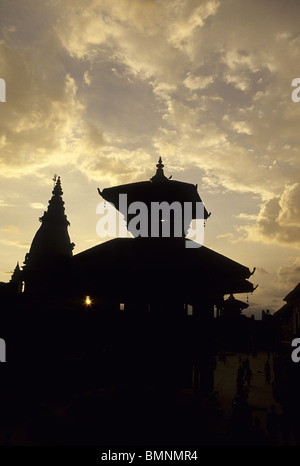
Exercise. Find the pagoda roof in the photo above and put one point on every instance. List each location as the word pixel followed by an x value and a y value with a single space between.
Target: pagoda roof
pixel 158 189
pixel 151 267
pixel 234 303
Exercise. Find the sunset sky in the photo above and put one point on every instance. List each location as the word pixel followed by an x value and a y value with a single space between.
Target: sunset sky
pixel 97 90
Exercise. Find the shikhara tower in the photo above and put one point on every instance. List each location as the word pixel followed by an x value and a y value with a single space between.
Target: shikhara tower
pixel 51 247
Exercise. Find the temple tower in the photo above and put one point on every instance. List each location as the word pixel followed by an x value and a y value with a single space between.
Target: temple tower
pixel 51 247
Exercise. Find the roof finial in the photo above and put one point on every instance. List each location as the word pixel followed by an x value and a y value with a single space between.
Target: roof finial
pixel 159 176
pixel 160 164
pixel 57 188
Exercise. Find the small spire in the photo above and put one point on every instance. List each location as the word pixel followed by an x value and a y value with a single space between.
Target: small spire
pixel 57 191
pixel 56 204
pixel 160 164
pixel 16 273
pixel 159 176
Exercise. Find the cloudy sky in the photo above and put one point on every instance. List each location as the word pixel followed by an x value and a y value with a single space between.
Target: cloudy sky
pixel 97 90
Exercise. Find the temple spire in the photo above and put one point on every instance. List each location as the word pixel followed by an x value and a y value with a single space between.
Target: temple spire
pixel 57 190
pixel 56 210
pixel 159 176
pixel 51 241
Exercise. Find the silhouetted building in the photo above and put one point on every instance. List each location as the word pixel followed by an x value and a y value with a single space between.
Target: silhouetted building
pixel 286 385
pixel 288 316
pixel 140 309
pixel 51 248
pixel 231 307
pixel 153 281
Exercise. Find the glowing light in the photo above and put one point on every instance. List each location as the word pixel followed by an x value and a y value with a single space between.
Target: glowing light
pixel 88 301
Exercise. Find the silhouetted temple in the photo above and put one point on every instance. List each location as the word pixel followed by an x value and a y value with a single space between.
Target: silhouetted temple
pixel 231 307
pixel 51 248
pixel 139 308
